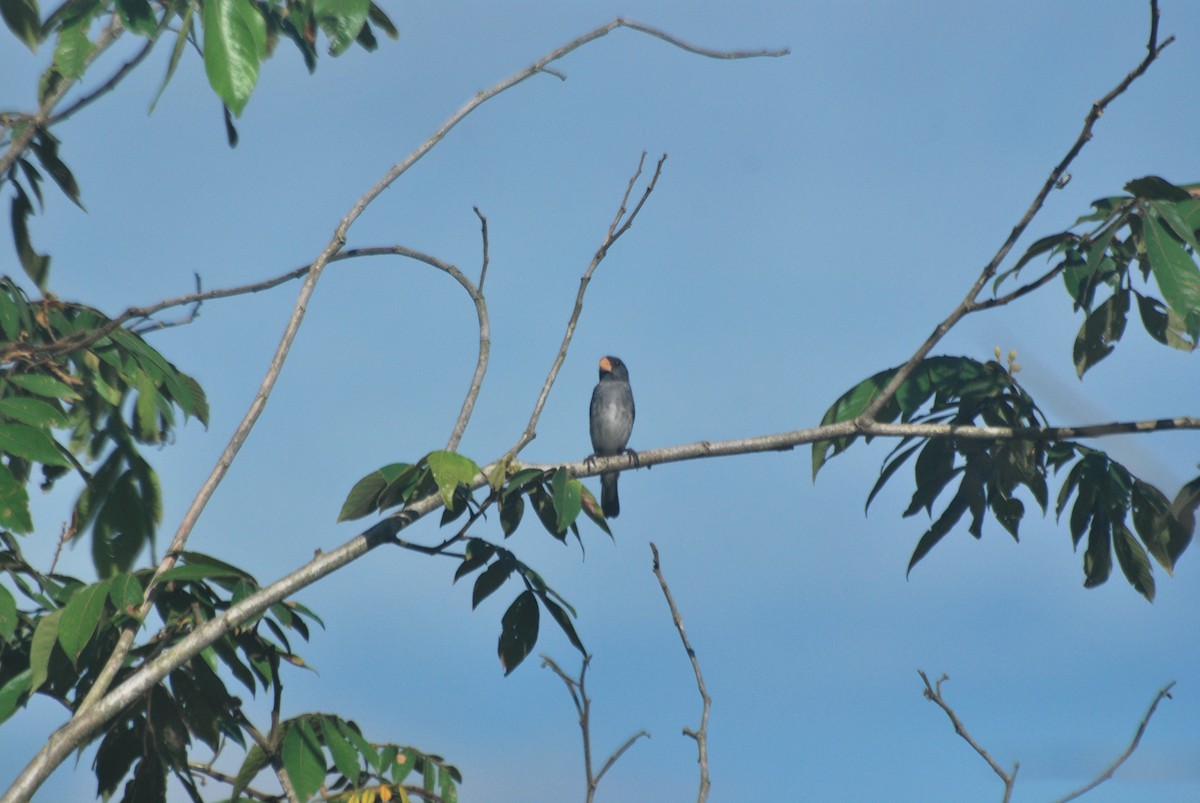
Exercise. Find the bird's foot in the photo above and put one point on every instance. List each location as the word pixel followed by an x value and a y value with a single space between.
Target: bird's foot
pixel 637 463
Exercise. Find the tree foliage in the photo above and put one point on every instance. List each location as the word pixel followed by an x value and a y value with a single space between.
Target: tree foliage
pixel 82 394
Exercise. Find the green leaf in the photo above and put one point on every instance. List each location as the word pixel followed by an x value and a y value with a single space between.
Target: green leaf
pixel 24 20
pixel 345 757
pixel 35 265
pixel 14 503
pixel 1176 274
pixel 1097 560
pixel 1037 248
pixel 235 42
pixel 364 497
pixel 341 20
pixel 45 145
pixel 492 578
pixel 1154 187
pixel 449 471
pixel 137 16
pixel 252 764
pixel 8 615
pixel 849 406
pixel 45 636
pixel 1162 324
pixel 1176 222
pixel 478 554
pixel 567 499
pixel 31 444
pixel 303 758
pixel 81 617
pixel 181 41
pixel 592 508
pixel 889 469
pixel 564 621
pixel 34 412
pixel 43 385
pixel 519 631
pixel 73 49
pixel 1100 332
pixel 512 508
pixel 377 16
pixel 13 692
pixel 1133 560
pixel 125 592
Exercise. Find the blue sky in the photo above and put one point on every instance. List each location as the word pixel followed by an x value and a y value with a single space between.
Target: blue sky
pixel 817 216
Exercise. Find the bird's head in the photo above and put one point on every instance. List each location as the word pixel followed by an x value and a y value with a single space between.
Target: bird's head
pixel 613 367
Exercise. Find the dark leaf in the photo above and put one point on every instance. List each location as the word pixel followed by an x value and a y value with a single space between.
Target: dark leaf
pixel 478 553
pixel 81 617
pixel 492 578
pixel 364 496
pixel 519 631
pixel 849 406
pixel 22 18
pixel 512 508
pixel 1156 188
pixel 1133 560
pixel 564 621
pixel 1100 331
pixel 1097 560
pixel 1177 276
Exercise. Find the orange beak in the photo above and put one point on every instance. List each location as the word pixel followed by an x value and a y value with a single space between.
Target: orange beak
pixel 605 365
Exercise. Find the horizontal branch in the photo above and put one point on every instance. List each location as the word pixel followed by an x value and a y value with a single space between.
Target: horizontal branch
pixel 783 441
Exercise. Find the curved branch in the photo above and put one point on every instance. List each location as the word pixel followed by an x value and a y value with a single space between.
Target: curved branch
pixel 481 313
pixel 1164 692
pixel 969 303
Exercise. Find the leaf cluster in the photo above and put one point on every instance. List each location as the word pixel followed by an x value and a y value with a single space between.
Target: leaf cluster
pixel 234 38
pixel 1138 249
pixel 556 498
pixel 1135 245
pixel 86 410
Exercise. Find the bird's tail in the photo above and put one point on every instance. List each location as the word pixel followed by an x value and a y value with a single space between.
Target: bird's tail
pixel 610 503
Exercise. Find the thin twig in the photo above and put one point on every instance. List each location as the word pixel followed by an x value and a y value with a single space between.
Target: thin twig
pixel 701 735
pixel 483 233
pixel 934 693
pixel 576 687
pixel 620 224
pixel 1164 692
pixel 969 303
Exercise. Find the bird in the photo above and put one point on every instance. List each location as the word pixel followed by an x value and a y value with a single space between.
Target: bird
pixel 611 422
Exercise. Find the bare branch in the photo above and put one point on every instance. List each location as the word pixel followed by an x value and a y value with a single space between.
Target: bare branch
pixel 969 304
pixel 583 707
pixel 701 735
pixel 483 233
pixel 620 224
pixel 934 693
pixel 481 313
pixel 1164 692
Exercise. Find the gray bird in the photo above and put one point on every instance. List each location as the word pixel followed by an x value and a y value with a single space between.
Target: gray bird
pixel 611 422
